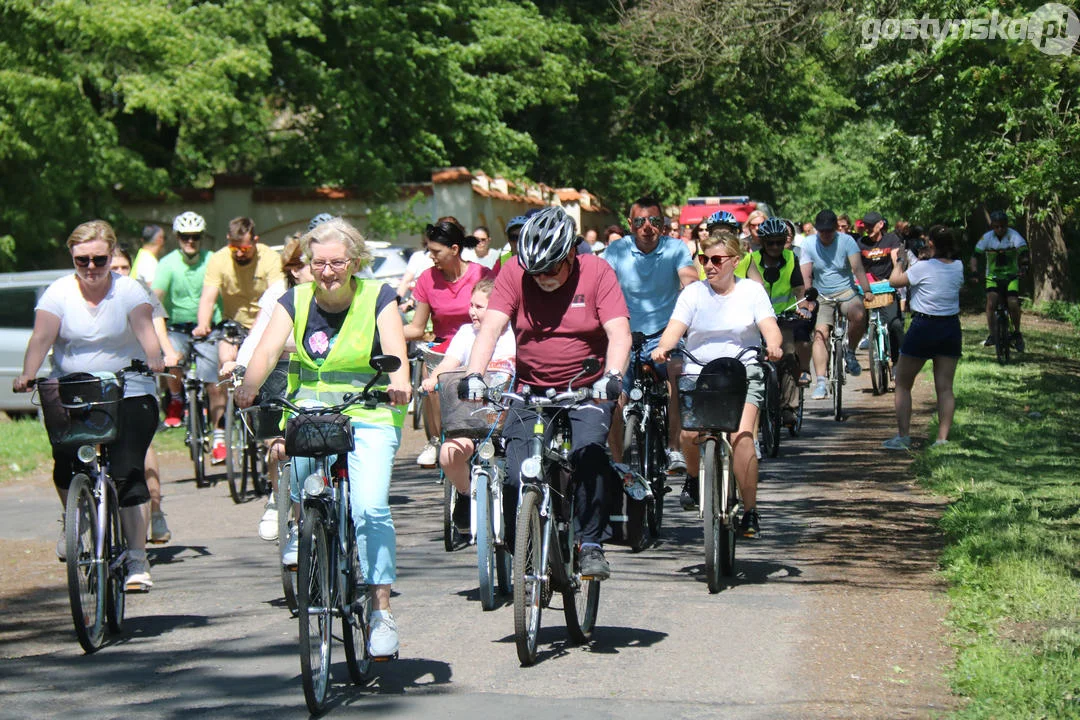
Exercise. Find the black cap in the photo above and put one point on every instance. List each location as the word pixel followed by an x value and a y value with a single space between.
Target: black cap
pixel 871 219
pixel 825 220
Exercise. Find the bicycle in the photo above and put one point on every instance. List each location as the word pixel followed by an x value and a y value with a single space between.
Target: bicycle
pixel 545 548
pixel 770 419
pixel 711 402
pixel 82 411
pixel 283 500
pixel 487 478
pixel 416 376
pixel 879 344
pixel 1002 337
pixel 838 348
pixel 328 572
pixel 245 457
pixel 645 431
pixel 199 432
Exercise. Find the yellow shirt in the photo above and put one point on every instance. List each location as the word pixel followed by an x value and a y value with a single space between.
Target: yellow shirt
pixel 241 286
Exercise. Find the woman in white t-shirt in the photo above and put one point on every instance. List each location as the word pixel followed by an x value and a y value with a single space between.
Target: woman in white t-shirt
pixel 934 298
pixel 721 316
pixel 97 321
pixel 454 454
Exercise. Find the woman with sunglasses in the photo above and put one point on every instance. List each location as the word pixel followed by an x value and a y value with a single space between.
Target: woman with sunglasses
pixel 721 316
pixel 97 321
pixel 442 294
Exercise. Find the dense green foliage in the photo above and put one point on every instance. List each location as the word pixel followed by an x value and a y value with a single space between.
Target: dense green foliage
pixel 673 97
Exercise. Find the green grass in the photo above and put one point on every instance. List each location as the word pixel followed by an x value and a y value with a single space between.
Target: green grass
pixel 1013 528
pixel 24 447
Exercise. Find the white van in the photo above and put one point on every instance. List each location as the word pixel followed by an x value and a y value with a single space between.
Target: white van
pixel 19 293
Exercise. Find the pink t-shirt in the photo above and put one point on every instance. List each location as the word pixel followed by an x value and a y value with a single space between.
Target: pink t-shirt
pixel 556 331
pixel 449 301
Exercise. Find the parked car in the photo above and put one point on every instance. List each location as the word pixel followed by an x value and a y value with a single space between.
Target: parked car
pixel 19 293
pixel 697 209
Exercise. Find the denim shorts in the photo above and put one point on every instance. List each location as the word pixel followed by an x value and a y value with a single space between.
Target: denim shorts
pixel 929 337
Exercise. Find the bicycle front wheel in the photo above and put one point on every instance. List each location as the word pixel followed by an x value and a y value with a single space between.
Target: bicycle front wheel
pixel 195 430
pixel 86 572
pixel 485 540
pixel 116 546
pixel 285 521
pixel 235 447
pixel 315 606
pixel 656 470
pixel 634 454
pixel 838 381
pixel 770 416
pixel 1001 337
pixel 796 427
pixel 528 577
pixel 710 510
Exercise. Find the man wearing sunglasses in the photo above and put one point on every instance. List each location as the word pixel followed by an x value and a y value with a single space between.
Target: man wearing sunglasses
pixel 652 269
pixel 238 274
pixel 178 283
pixel 832 263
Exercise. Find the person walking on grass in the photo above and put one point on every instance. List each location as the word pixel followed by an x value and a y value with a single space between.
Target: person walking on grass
pixel 934 334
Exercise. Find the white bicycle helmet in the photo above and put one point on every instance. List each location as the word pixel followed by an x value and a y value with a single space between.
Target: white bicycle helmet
pixel 188 223
pixel 545 240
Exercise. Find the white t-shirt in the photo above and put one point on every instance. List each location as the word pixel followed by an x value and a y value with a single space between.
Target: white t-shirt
pixel 935 286
pixel 267 303
pixel 503 359
pixel 722 325
pixel 419 261
pixel 487 261
pixel 97 339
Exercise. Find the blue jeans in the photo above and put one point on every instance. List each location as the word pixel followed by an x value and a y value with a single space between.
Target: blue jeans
pixel 370 465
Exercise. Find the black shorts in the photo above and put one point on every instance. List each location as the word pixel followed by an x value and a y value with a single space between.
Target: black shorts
pixel 929 337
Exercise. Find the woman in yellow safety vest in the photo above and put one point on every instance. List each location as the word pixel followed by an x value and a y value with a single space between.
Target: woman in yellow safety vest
pixel 339 322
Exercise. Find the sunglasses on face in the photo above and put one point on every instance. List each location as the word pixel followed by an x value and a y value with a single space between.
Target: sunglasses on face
pixel 189 238
pixel 639 222
pixel 553 271
pixel 716 260
pixel 85 260
pixel 774 243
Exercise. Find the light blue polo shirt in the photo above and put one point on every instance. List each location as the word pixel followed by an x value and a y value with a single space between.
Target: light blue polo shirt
pixel 650 282
pixel 833 273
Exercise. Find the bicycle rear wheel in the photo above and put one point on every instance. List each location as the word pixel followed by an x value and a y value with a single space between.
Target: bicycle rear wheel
pixel 451 536
pixel 196 428
pixel 581 602
pixel 528 583
pixel 235 449
pixel 417 396
pixel 86 573
pixel 354 630
pixel 258 468
pixel 796 428
pixel 116 546
pixel 315 600
pixel 285 512
pixel 485 540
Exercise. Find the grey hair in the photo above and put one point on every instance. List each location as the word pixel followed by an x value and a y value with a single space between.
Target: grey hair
pixel 337 230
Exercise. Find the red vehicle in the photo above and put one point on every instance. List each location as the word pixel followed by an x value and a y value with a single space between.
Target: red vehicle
pixel 698 208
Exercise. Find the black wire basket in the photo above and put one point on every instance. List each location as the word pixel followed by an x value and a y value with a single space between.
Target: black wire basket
pixel 465 419
pixel 81 408
pixel 712 401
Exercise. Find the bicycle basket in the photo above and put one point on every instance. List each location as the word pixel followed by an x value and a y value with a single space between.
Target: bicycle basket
pixel 318 435
pixel 714 399
pixel 880 300
pixel 81 408
pixel 464 419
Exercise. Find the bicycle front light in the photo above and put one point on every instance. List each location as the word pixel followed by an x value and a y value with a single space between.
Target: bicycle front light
pixel 86 454
pixel 636 394
pixel 486 451
pixel 530 468
pixel 314 485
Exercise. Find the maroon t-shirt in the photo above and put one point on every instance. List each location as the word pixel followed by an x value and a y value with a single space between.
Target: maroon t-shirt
pixel 556 331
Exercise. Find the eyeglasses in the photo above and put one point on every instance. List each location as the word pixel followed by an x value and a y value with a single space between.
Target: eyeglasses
pixel 85 260
pixel 335 265
pixel 654 220
pixel 189 238
pixel 716 260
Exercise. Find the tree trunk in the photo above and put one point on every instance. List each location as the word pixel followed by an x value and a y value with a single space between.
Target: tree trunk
pixel 1049 255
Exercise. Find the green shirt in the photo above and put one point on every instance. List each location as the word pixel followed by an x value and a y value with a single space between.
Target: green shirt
pixel 181 285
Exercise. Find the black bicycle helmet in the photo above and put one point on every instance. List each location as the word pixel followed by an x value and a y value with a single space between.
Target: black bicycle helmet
pixel 999 216
pixel 772 227
pixel 546 240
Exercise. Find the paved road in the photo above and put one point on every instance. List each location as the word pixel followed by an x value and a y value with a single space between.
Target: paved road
pixel 807 629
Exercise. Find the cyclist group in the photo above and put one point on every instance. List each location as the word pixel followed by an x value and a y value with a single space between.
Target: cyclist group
pixel 537 312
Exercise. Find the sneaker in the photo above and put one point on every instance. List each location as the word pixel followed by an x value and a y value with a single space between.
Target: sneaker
pixel 268 523
pixel 989 341
pixel 940 443
pixel 821 390
pixel 383 640
pixel 689 496
pixel 676 462
pixel 138 573
pixel 429 456
pixel 159 529
pixel 757 449
pixel 864 343
pixel 461 514
pixel 899 442
pixel 854 369
pixel 1017 341
pixel 804 380
pixel 749 526
pixel 61 542
pixel 174 413
pixel 218 451
pixel 593 563
pixel 292 548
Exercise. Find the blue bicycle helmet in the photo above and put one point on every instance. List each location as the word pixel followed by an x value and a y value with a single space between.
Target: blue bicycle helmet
pixel 518 221
pixel 722 219
pixel 319 220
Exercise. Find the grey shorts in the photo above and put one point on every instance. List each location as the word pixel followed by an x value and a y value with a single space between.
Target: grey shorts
pixel 206 355
pixel 825 308
pixel 755 385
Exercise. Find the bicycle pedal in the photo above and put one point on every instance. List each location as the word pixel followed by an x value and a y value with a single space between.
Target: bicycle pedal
pixel 384 658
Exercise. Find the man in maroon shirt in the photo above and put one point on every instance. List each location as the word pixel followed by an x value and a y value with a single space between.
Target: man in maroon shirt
pixel 564 308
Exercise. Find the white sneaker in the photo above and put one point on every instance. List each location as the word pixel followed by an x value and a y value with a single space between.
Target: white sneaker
pixel 429 456
pixel 138 573
pixel 676 462
pixel 159 529
pixel 61 542
pixel 268 523
pixel 821 390
pixel 292 548
pixel 898 442
pixel 383 641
